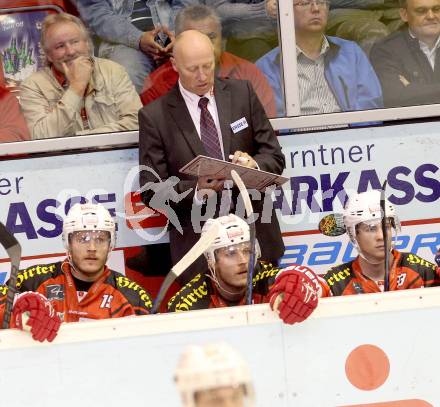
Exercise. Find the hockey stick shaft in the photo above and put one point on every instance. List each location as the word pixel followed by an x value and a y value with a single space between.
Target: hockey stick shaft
pixel 13 248
pixel 385 238
pixel 249 212
pixel 196 251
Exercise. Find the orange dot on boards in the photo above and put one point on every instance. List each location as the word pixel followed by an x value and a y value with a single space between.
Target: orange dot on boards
pixel 367 367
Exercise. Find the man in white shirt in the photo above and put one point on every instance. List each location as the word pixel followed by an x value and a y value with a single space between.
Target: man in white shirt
pixel 198 117
pixel 407 61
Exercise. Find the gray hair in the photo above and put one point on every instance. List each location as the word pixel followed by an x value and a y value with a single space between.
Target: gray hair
pixel 197 12
pixel 57 18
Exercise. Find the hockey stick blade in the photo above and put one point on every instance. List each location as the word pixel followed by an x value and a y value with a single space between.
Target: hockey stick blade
pixel 197 250
pixel 13 248
pixel 332 225
pixel 249 211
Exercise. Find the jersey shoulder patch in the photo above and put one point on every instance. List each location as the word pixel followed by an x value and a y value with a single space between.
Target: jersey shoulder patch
pixel 423 268
pixel 415 262
pixel 264 277
pixel 135 294
pixel 193 295
pixel 339 277
pixel 32 277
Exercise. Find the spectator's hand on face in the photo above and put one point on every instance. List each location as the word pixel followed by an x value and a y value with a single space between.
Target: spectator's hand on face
pixel 272 8
pixel 78 73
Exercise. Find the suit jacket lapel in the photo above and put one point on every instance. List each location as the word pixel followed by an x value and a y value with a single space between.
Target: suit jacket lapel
pixel 223 102
pixel 181 116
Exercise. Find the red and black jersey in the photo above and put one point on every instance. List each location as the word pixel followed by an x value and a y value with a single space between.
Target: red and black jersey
pixel 111 296
pixel 408 271
pixel 202 293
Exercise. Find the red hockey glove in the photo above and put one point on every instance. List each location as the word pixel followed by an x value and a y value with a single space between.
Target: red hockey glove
pixel 43 320
pixel 295 293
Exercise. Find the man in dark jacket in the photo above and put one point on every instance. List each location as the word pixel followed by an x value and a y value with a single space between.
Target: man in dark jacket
pixel 407 61
pixel 199 117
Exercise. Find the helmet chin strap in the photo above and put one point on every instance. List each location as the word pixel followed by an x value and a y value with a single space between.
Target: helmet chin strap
pixel 367 259
pixel 74 269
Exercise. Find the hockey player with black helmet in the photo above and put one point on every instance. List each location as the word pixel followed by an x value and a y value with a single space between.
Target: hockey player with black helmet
pixel 82 287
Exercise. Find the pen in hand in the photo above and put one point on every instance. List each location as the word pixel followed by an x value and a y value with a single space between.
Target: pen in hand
pixel 242 160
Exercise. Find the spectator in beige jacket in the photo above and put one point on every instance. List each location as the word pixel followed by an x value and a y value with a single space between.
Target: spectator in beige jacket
pixel 76 93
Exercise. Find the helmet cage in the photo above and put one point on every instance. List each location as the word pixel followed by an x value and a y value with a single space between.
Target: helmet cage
pixel 365 208
pixel 88 217
pixel 232 230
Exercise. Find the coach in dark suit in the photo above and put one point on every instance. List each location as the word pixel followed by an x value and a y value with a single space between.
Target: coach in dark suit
pixel 203 116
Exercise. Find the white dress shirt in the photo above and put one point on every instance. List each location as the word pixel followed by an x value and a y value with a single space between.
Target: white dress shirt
pixel 192 103
pixel 429 52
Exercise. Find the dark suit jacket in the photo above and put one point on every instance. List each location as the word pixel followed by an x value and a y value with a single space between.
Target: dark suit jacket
pixel 400 55
pixel 168 140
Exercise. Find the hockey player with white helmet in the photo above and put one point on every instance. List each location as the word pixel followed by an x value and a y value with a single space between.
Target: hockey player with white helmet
pixel 362 217
pixel 225 283
pixel 363 212
pixel 82 287
pixel 362 220
pixel 214 375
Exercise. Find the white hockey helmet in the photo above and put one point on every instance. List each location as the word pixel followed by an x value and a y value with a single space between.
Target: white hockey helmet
pixel 88 217
pixel 209 367
pixel 365 207
pixel 232 230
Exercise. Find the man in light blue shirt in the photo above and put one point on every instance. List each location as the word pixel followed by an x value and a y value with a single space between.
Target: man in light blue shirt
pixel 333 74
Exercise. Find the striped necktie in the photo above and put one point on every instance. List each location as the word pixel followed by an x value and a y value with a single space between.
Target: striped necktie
pixel 208 131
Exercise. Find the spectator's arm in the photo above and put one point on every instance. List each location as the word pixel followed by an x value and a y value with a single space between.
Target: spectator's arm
pixel 237 11
pixel 107 24
pixel 264 92
pixel 12 124
pixel 227 10
pixel 369 90
pixel 46 120
pixel 358 4
pixel 396 86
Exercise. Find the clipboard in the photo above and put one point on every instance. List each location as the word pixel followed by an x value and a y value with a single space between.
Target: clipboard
pixel 252 178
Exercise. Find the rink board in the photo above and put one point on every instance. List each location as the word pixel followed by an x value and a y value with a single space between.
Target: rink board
pixel 323 168
pixel 131 361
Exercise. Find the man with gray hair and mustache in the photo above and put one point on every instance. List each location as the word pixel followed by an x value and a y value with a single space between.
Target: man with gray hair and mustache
pixel 76 93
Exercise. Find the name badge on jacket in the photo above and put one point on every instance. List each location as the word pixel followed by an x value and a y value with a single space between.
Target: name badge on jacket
pixel 239 125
